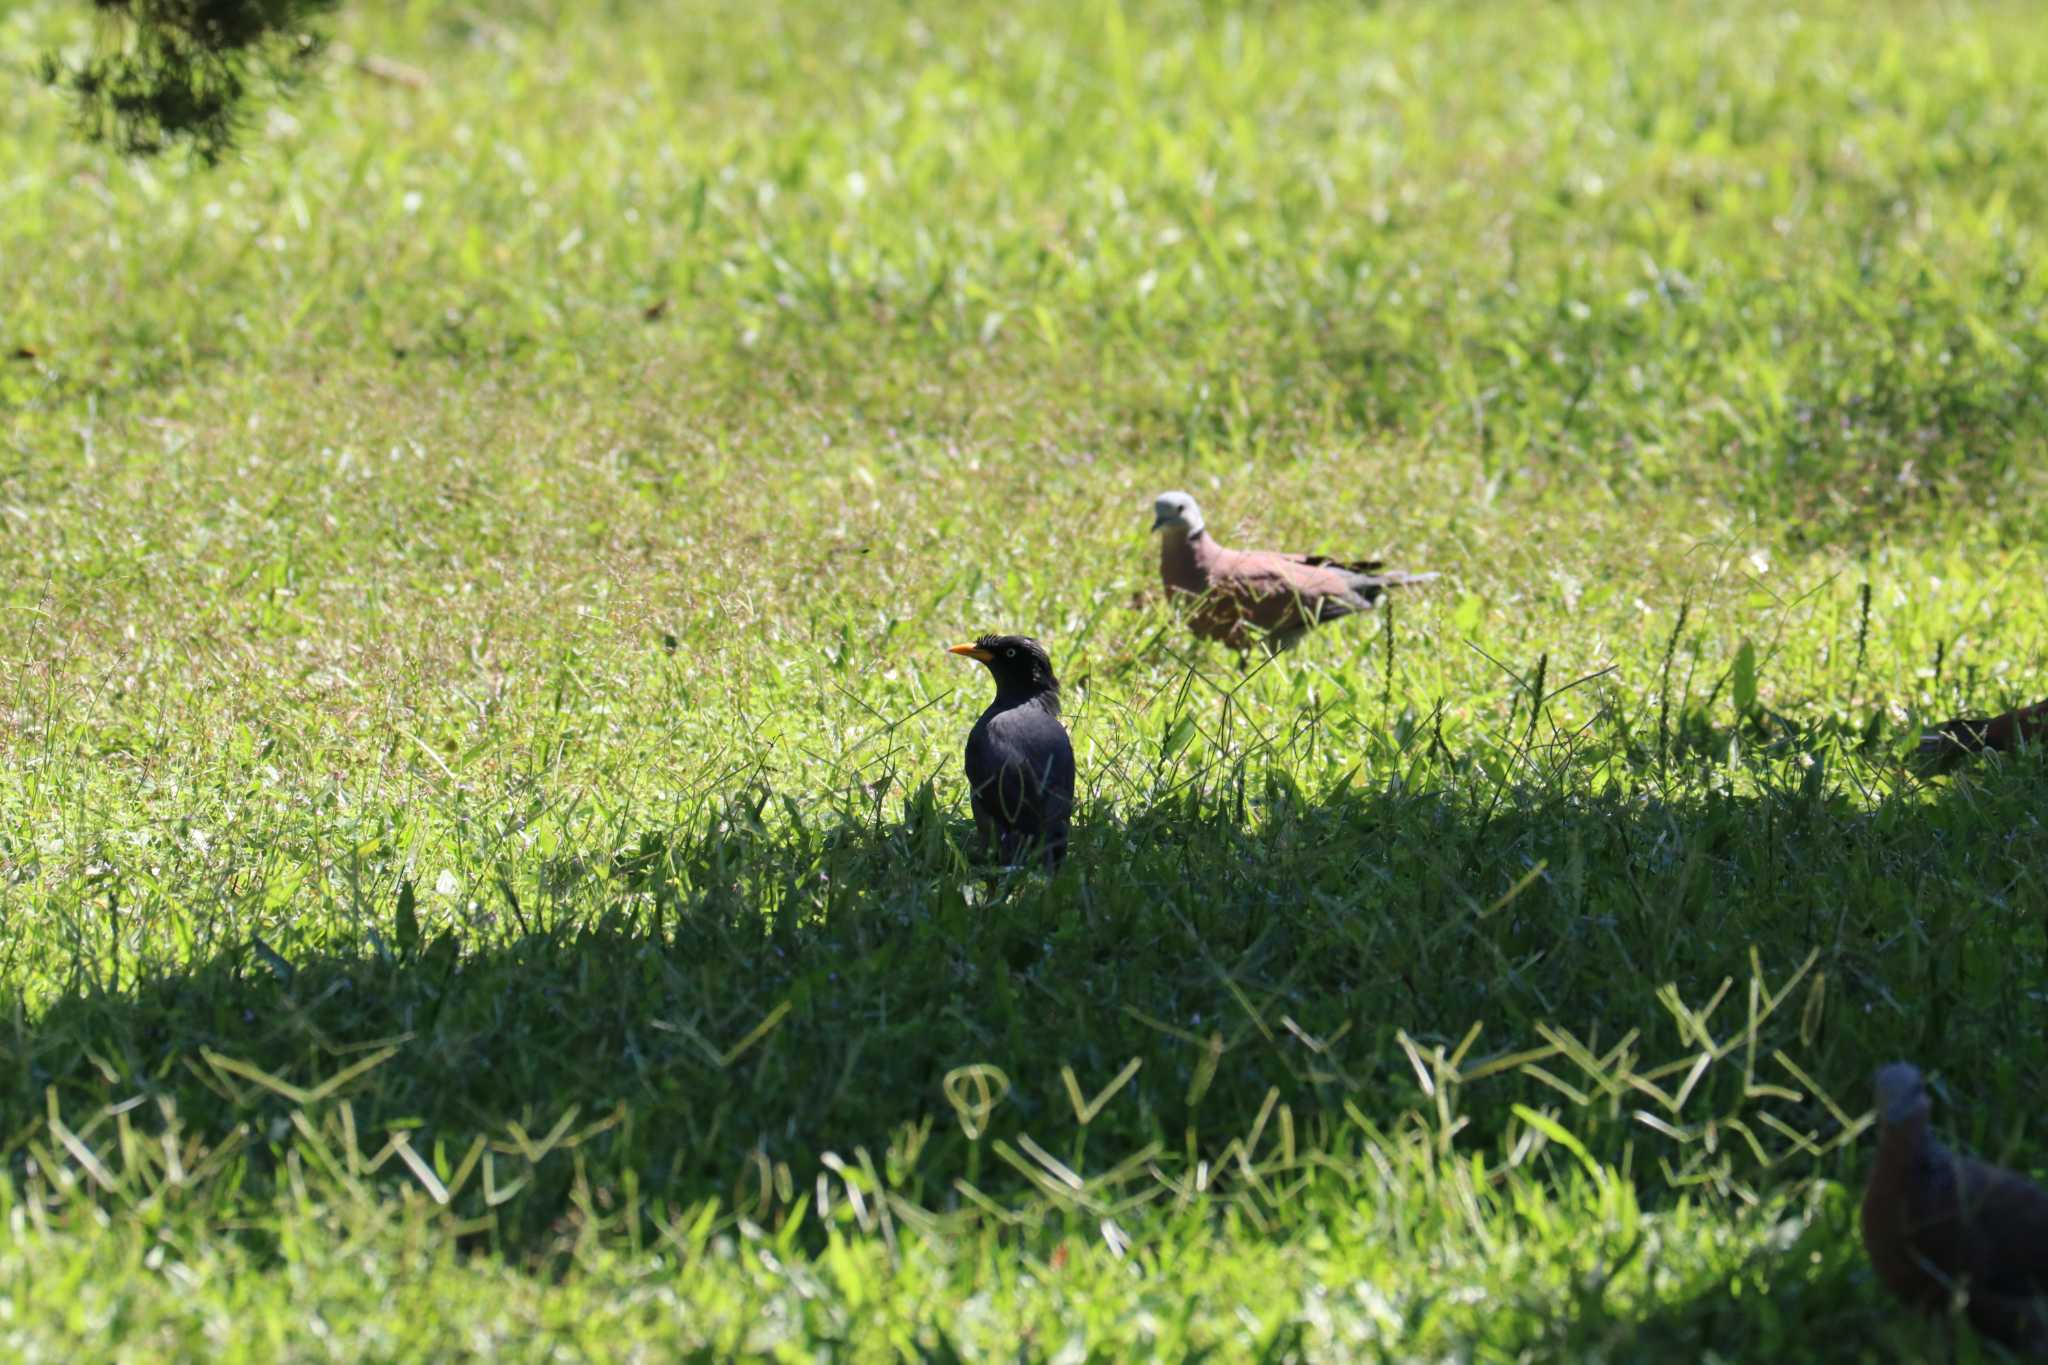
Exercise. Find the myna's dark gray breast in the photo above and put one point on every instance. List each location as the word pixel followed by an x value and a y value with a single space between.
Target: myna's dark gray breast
pixel 1020 765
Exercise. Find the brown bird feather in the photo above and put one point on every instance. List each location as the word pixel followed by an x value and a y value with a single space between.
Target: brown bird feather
pixel 1938 1225
pixel 1242 597
pixel 1950 742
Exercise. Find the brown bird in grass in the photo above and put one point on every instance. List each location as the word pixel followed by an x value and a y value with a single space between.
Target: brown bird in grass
pixel 1936 1224
pixel 1950 742
pixel 1020 763
pixel 1264 596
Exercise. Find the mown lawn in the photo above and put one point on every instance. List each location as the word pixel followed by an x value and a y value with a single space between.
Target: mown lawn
pixel 484 867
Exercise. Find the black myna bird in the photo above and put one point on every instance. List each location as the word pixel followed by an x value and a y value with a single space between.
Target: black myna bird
pixel 1020 764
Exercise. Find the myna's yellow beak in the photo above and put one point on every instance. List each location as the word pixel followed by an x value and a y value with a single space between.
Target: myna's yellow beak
pixel 971 651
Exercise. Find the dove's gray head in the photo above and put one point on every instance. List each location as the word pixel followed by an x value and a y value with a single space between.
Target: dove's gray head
pixel 1176 510
pixel 1901 1094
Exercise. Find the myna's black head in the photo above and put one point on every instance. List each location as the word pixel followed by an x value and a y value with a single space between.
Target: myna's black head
pixel 1020 663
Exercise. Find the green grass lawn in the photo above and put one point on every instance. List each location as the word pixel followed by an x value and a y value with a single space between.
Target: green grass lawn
pixel 484 863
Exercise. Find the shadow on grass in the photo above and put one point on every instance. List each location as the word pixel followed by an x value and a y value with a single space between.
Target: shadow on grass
pixel 1805 1293
pixel 713 1015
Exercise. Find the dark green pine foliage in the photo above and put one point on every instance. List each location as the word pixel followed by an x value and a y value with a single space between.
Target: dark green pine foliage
pixel 179 72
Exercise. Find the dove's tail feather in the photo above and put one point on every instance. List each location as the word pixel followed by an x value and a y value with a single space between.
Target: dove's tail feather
pixel 1373 584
